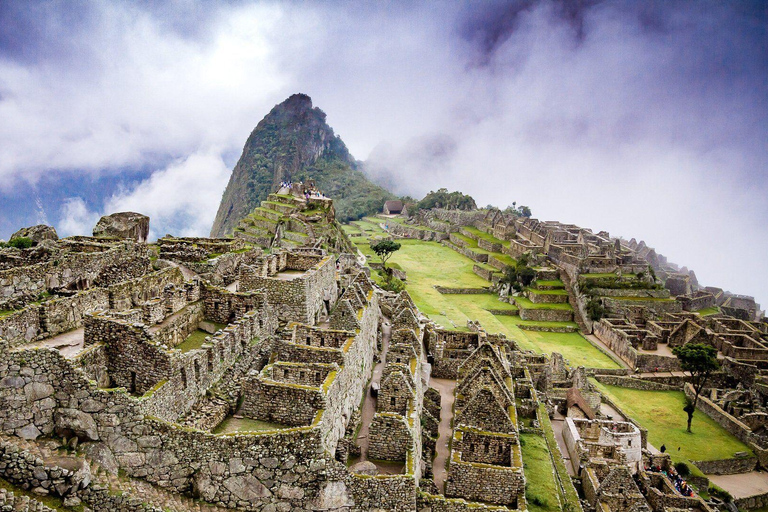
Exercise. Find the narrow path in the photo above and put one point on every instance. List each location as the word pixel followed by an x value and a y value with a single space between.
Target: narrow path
pixel 369 405
pixel 446 388
pixel 185 271
pixel 558 425
pixel 69 343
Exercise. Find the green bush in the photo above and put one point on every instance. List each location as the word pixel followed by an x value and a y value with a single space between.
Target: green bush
pixel 595 309
pixel 21 242
pixel 720 493
pixel 393 285
pixel 682 469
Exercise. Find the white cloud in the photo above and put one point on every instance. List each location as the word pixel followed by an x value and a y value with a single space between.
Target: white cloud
pixel 76 218
pixel 181 199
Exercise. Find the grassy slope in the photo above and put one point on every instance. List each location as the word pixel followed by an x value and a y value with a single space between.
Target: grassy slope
pixel 420 260
pixel 539 476
pixel 661 412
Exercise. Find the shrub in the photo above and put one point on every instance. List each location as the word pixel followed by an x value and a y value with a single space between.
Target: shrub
pixel 720 493
pixel 393 285
pixel 21 242
pixel 595 309
pixel 682 469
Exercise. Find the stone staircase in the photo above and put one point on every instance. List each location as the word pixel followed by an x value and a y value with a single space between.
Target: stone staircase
pixel 10 502
pixel 134 494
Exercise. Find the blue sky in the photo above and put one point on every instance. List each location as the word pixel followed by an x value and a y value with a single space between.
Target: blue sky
pixel 646 119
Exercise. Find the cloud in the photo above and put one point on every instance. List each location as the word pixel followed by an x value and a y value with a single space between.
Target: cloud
pixel 180 199
pixel 649 120
pixel 76 218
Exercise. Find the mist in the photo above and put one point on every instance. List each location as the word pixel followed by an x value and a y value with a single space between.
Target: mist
pixel 648 121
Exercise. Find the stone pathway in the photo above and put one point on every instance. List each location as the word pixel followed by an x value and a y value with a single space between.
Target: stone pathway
pixel 446 388
pixel 369 404
pixel 186 272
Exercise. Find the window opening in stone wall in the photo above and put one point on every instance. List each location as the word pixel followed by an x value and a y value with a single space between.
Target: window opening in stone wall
pixel 133 382
pixel 197 370
pixel 184 378
pixel 210 361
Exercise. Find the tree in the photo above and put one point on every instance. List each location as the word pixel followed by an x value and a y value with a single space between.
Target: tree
pixel 384 250
pixel 700 360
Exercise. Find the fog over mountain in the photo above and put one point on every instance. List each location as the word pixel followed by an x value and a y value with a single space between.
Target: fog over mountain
pixel 646 119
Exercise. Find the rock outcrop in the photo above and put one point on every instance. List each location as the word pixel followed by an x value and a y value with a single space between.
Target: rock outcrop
pixel 37 233
pixel 130 225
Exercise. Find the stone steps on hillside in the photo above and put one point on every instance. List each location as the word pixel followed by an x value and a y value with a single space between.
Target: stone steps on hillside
pixel 11 502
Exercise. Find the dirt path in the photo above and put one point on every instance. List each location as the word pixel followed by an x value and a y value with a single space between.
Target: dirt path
pixel 185 271
pixel 69 343
pixel 446 388
pixel 369 405
pixel 742 484
pixel 558 425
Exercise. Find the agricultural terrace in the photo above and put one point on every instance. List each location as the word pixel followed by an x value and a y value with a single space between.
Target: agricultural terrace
pixel 430 264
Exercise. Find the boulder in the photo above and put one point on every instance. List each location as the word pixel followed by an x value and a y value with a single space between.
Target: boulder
pixel 37 233
pixel 71 422
pixel 130 225
pixel 246 487
pixel 365 467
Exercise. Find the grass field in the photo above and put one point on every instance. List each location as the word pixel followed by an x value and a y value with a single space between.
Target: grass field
pixel 708 311
pixel 430 263
pixel 541 491
pixel 661 412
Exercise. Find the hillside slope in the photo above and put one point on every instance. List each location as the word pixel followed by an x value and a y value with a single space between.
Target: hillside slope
pixel 293 142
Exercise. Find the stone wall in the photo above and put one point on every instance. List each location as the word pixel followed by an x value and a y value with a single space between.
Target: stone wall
pixel 390 437
pixel 480 482
pixel 299 299
pixel 546 315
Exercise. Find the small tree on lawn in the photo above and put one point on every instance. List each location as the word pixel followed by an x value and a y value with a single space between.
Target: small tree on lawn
pixel 700 360
pixel 384 250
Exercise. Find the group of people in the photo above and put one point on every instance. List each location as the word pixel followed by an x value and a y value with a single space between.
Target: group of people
pixel 307 192
pixel 680 484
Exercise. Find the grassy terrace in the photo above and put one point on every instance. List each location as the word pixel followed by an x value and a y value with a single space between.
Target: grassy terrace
pixel 527 304
pixel 542 489
pixel 555 282
pixel 661 412
pixel 598 276
pixel 486 236
pixel 418 259
pixel 653 299
pixel 548 292
pixel 504 258
pixel 287 205
pixel 702 312
pixel 231 424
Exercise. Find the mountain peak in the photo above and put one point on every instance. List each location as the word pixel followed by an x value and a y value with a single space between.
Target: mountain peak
pixel 292 143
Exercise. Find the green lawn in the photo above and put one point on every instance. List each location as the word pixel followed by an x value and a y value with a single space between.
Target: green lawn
pixel 708 311
pixel 193 341
pixel 541 485
pixel 555 282
pixel 571 345
pixel 527 304
pixel 430 263
pixel 661 412
pixel 548 292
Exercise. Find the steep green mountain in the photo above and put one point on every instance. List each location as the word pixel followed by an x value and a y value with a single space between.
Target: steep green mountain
pixel 293 142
